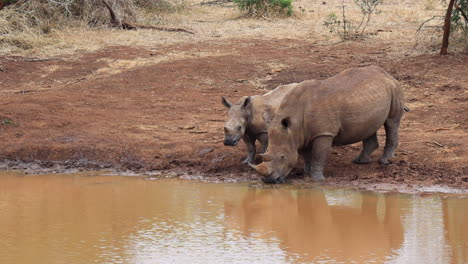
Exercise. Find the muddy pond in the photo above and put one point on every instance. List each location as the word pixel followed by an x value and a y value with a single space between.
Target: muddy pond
pixel 94 218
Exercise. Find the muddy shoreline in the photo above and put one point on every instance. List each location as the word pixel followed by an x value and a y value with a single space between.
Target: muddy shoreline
pixel 296 178
pixel 126 109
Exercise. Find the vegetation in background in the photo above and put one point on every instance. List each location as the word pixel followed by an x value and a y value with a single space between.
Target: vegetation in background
pixel 21 22
pixel 45 15
pixel 347 28
pixel 459 23
pixel 28 24
pixel 265 8
pixel 452 27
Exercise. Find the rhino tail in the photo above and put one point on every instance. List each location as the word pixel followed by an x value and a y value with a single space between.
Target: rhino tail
pixel 406 109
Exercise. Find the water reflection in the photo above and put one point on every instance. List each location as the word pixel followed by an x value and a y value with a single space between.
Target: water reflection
pixel 103 219
pixel 363 227
pixel 455 213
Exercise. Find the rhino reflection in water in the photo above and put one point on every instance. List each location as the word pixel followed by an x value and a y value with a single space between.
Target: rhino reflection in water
pixel 344 109
pixel 307 226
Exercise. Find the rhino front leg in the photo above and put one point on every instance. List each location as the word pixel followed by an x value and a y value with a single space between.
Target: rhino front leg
pixel 368 146
pixel 263 138
pixel 251 150
pixel 307 156
pixel 320 148
pixel 391 139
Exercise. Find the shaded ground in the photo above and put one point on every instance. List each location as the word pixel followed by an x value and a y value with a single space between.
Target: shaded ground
pixel 159 109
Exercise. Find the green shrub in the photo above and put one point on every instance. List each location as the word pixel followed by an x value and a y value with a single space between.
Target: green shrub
pixel 459 32
pixel 265 8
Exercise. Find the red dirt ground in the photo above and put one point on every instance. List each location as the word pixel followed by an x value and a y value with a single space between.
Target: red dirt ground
pixel 165 113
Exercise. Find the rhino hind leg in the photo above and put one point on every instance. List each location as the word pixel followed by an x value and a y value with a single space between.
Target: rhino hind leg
pixel 391 139
pixel 368 146
pixel 318 156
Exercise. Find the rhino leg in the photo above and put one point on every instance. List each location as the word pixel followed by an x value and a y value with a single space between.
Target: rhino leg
pixel 318 156
pixel 250 143
pixel 368 146
pixel 307 156
pixel 391 139
pixel 263 138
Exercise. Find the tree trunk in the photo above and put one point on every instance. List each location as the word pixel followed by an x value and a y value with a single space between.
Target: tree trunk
pixel 115 20
pixel 447 24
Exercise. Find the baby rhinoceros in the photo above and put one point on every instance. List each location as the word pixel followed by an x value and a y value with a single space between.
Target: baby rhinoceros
pixel 246 119
pixel 344 109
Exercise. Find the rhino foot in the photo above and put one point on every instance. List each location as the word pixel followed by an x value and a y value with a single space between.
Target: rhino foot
pixel 362 160
pixel 247 161
pixel 384 161
pixel 318 176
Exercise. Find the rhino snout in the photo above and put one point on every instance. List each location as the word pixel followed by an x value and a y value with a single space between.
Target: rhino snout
pixel 273 180
pixel 230 141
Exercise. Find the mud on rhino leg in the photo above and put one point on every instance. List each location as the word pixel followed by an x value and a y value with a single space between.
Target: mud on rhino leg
pixel 320 148
pixel 263 138
pixel 250 143
pixel 391 139
pixel 368 146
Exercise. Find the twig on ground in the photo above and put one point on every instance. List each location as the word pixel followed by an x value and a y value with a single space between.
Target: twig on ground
pixel 435 143
pixel 216 2
pixel 129 25
pixel 443 128
pixel 41 59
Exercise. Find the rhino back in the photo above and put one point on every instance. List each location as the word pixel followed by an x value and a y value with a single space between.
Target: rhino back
pixel 274 97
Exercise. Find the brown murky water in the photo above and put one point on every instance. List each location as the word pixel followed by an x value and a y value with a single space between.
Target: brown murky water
pixel 115 219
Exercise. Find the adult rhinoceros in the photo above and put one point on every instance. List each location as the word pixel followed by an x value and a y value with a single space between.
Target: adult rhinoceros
pixel 344 109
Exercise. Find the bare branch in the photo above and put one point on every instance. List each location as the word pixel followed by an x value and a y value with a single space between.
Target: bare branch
pixel 423 23
pixel 115 20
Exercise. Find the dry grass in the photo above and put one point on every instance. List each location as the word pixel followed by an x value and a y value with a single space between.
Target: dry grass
pixel 396 24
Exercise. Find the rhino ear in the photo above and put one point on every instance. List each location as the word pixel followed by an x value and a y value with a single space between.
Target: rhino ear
pixel 247 102
pixel 268 115
pixel 225 102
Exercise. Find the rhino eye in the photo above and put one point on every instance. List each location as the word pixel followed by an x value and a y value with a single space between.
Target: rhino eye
pixel 239 128
pixel 286 122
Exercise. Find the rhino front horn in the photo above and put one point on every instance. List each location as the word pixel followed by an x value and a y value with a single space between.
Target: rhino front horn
pixel 261 168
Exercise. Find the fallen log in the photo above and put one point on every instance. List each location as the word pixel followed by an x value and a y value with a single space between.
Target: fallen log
pixel 117 22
